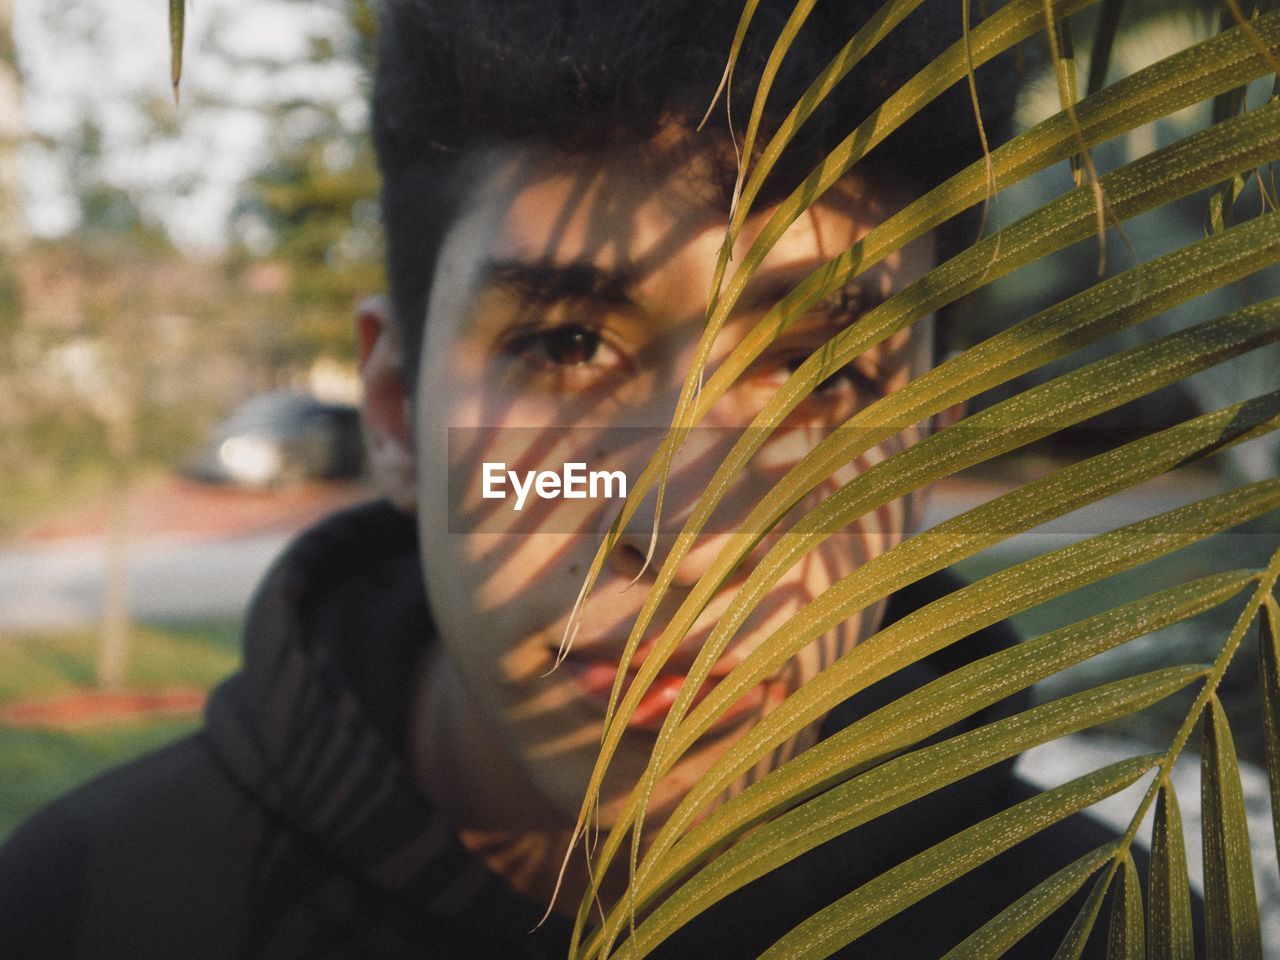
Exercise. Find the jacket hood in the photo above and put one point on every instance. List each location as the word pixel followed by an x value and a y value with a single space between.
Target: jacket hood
pixel 313 726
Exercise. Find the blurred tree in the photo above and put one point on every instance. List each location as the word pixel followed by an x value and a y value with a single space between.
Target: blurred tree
pixel 312 209
pixel 313 213
pixel 13 230
pixel 119 248
pixel 122 341
pixel 108 318
pixel 13 234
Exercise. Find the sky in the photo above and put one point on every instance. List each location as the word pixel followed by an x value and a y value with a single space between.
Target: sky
pixel 109 61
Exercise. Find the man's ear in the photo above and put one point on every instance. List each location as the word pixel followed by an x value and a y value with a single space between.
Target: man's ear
pixel 385 409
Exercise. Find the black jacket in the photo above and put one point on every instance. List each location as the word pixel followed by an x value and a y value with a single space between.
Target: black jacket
pixel 288 827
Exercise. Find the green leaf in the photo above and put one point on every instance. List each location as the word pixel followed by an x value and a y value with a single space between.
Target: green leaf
pixel 1077 937
pixel 1227 104
pixel 1269 681
pixel 1012 23
pixel 1188 165
pixel 933 708
pixel 893 785
pixel 1199 164
pixel 799 14
pixel 925 553
pixel 881 23
pixel 916 636
pixel 1169 927
pixel 1126 296
pixel 1005 929
pixel 1232 930
pixel 1147 95
pixel 177 27
pixel 1006 27
pixel 1063 54
pixel 735 48
pixel 1171 84
pixel 896 889
pixel 1032 237
pixel 1065 66
pixel 1125 938
pixel 1080 320
pixel 987 601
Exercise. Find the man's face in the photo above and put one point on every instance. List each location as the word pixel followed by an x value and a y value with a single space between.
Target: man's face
pixel 567 301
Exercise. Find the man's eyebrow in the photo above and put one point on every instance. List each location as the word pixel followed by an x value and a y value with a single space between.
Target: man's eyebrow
pixel 545 283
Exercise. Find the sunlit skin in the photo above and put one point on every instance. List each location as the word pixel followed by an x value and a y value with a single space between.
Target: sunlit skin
pixel 568 299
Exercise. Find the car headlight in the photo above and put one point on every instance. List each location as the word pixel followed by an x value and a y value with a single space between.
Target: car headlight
pixel 251 460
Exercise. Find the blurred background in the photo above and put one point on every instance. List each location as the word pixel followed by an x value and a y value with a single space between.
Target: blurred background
pixel 177 384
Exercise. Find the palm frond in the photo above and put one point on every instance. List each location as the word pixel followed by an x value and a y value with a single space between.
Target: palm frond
pixel 710 846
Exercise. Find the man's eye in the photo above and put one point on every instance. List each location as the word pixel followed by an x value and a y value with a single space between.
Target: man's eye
pixel 564 346
pixel 567 358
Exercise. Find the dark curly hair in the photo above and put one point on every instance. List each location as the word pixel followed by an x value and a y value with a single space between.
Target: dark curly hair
pixel 456 76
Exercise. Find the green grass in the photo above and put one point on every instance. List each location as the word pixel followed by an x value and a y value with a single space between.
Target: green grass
pixel 37 765
pixel 47 665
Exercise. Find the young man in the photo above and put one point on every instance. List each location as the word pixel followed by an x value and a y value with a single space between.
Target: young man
pixel 396 770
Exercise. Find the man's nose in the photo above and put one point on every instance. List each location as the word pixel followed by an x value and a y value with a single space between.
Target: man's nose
pixel 641 538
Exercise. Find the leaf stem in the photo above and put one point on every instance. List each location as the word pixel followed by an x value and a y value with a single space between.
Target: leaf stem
pixel 1266 583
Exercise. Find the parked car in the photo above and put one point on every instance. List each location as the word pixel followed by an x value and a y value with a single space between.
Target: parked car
pixel 282 437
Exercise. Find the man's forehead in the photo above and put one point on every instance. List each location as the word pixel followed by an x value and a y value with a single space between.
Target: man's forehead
pixel 561 198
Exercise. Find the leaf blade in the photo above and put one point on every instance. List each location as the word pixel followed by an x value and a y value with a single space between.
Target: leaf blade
pixel 900 644
pixel 1125 938
pixel 924 553
pixel 177 31
pixel 1169 898
pixel 897 782
pixel 827 931
pixel 853 340
pixel 1103 41
pixel 942 702
pixel 1007 928
pixel 1232 924
pixel 1269 681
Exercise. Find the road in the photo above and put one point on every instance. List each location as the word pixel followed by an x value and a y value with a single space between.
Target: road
pixel 60 584
pixel 196 552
